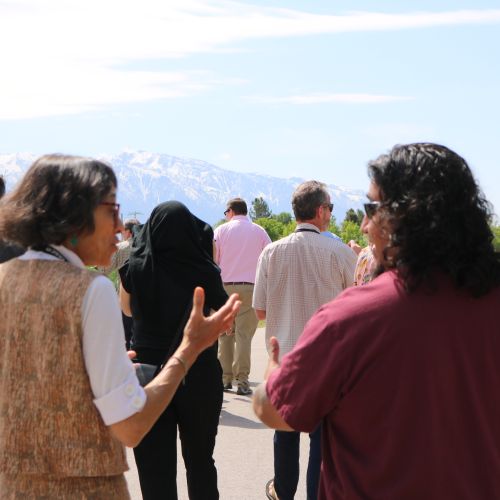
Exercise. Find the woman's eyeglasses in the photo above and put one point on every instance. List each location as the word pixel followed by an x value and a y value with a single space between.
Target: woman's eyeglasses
pixel 116 210
pixel 371 208
pixel 226 211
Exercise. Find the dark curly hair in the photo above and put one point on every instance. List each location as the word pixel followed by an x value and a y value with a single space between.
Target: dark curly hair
pixel 439 218
pixel 55 200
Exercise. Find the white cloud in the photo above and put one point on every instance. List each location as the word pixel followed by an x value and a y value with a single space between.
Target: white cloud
pixel 69 56
pixel 327 98
pixel 46 90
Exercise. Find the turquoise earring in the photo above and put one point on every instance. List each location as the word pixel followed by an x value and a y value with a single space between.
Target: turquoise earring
pixel 74 240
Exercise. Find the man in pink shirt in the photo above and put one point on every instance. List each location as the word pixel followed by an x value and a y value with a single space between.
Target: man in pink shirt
pixel 238 244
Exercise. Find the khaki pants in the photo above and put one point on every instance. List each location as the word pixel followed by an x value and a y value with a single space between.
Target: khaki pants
pixel 235 350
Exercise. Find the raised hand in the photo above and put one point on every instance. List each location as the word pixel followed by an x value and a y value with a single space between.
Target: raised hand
pixel 202 331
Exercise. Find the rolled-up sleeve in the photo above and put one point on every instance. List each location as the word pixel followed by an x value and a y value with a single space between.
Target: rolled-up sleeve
pixel 116 390
pixel 121 402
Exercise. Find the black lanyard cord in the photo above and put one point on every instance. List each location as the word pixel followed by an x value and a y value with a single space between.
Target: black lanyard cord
pixel 305 229
pixel 51 251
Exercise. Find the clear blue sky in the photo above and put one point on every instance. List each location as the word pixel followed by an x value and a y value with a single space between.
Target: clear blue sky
pixel 292 88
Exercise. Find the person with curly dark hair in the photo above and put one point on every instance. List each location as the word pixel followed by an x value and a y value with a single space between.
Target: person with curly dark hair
pixel 439 219
pixel 406 370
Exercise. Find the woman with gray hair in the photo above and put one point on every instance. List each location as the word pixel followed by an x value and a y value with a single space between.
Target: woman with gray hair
pixel 69 396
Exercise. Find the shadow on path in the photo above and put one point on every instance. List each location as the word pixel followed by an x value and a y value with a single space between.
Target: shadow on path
pixel 230 420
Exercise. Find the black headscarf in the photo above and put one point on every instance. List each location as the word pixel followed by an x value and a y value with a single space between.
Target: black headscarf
pixel 170 256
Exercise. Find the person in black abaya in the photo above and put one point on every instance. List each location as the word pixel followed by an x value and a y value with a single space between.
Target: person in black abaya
pixel 170 256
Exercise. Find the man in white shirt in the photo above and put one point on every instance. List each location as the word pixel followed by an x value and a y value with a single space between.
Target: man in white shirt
pixel 238 244
pixel 295 276
pixel 123 248
pixel 120 257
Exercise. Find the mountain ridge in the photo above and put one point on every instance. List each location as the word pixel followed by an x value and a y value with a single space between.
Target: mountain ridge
pixel 146 179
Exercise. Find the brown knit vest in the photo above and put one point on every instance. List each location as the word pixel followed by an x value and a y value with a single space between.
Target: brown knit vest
pixel 48 421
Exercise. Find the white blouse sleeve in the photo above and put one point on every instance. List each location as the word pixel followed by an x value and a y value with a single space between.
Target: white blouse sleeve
pixel 114 384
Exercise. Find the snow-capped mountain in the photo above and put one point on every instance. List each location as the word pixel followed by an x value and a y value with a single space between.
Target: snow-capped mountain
pixel 146 179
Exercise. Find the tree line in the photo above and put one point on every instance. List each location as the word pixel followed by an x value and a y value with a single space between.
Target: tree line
pixel 279 225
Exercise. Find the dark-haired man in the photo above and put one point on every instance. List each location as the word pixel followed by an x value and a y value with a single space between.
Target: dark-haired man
pixel 403 373
pixel 238 244
pixel 295 276
pixel 123 252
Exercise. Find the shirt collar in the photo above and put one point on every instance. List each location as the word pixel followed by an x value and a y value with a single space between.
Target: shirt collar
pixel 306 225
pixel 31 254
pixel 70 255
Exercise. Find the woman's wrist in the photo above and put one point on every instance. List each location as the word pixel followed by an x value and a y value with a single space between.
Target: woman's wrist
pixel 181 361
pixel 187 353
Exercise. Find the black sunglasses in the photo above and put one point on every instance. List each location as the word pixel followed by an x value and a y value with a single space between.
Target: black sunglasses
pixel 371 208
pixel 329 206
pixel 226 211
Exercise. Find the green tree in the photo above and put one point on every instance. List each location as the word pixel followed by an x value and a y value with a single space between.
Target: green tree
pixel 355 216
pixel 351 216
pixel 288 228
pixel 283 217
pixel 273 227
pixel 219 223
pixel 496 240
pixel 333 226
pixel 260 209
pixel 115 278
pixel 352 231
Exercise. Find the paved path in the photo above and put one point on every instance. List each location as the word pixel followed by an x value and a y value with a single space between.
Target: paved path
pixel 244 447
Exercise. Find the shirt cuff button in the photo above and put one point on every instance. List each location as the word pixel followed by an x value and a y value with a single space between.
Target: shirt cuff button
pixel 137 402
pixel 129 390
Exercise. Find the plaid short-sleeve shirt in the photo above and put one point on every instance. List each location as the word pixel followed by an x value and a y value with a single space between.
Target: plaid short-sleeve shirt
pixel 295 276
